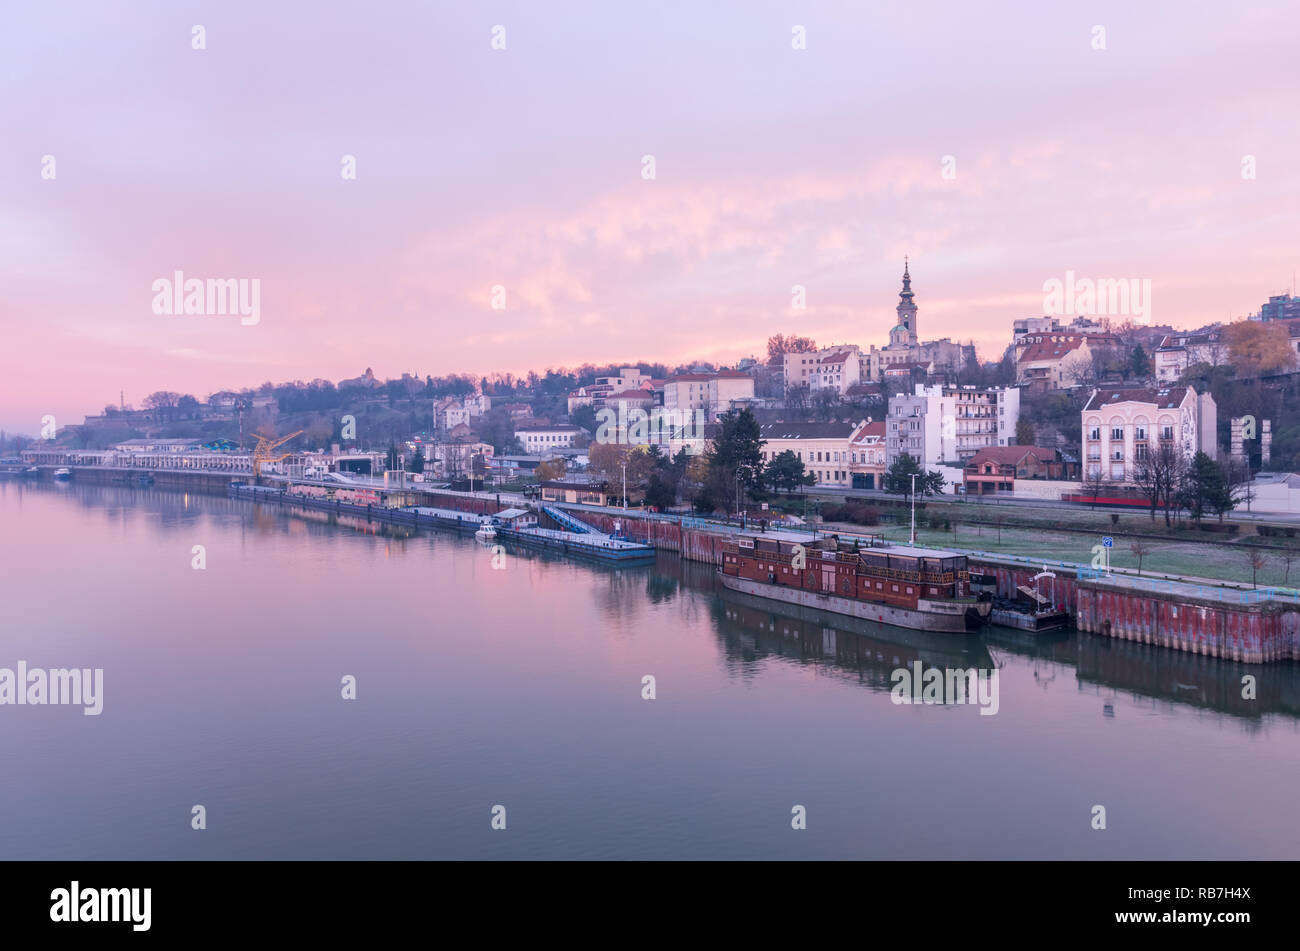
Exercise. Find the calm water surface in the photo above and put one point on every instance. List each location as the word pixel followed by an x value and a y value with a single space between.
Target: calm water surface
pixel 522 687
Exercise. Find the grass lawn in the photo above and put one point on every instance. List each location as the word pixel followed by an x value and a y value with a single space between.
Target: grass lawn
pixel 1221 559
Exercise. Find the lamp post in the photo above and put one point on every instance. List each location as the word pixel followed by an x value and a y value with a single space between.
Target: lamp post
pixel 913 508
pixel 738 468
pixel 624 465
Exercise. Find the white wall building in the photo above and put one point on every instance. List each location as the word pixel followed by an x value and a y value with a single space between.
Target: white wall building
pixel 540 439
pixel 710 392
pixel 824 448
pixel 949 423
pixel 1177 352
pixel 1123 427
pixel 835 368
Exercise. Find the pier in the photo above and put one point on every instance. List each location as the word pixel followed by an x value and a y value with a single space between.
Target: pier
pixel 456 514
pixel 1198 616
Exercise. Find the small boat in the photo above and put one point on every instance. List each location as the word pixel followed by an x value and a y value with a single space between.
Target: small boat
pixel 31 472
pixel 486 533
pixel 62 475
pixel 145 478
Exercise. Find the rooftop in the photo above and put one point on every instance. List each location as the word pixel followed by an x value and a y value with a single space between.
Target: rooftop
pixel 1170 397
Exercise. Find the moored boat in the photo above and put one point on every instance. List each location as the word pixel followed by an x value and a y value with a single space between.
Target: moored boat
pixel 922 588
pixel 486 533
pixel 62 475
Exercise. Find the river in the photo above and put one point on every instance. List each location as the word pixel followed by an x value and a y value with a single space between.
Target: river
pixel 520 684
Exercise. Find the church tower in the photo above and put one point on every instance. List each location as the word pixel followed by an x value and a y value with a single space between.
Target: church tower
pixel 904 335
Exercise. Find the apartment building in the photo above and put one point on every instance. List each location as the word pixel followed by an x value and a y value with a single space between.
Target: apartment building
pixel 824 448
pixel 1123 427
pixel 1177 352
pixel 832 368
pixel 710 392
pixel 945 422
pixel 1051 361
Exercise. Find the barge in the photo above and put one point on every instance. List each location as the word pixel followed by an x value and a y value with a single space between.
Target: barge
pixel 925 589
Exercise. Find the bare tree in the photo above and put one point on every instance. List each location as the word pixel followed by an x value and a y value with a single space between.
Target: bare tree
pixel 1140 550
pixel 1159 477
pixel 1257 563
pixel 1093 484
pixel 1241 484
pixel 1287 558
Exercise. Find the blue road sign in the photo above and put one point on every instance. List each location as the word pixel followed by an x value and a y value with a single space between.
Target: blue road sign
pixel 1107 541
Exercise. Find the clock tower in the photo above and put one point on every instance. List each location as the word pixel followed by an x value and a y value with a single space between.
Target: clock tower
pixel 904 334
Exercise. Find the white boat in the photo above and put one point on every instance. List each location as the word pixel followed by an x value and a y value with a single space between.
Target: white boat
pixel 62 475
pixel 486 533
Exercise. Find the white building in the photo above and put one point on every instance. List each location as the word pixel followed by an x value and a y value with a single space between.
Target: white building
pixel 1051 361
pixel 835 368
pixel 540 438
pixel 1123 427
pixel 947 423
pixel 1177 352
pixel 627 378
pixel 824 448
pixel 455 415
pixel 710 392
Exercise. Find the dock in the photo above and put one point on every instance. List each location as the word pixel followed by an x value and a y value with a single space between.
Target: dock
pixel 586 541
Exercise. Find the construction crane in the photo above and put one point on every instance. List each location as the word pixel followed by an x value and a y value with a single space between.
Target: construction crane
pixel 265 451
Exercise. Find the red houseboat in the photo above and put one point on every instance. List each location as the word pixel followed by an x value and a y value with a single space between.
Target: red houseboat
pixel 923 588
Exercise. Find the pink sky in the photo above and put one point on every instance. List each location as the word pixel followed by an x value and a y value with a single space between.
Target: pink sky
pixel 522 167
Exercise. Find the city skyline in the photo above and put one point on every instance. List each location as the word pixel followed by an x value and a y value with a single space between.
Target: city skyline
pixel 523 168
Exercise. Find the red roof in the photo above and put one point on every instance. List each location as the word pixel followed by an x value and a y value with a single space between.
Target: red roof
pixel 875 428
pixel 1054 348
pixel 630 395
pixel 1012 455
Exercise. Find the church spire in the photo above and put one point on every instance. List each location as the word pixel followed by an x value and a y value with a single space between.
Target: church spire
pixel 904 334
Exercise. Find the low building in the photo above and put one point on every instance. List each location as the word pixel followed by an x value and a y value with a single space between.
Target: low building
pixel 574 491
pixel 995 469
pixel 831 368
pixel 1056 360
pixel 582 396
pixel 544 437
pixel 1177 352
pixel 823 448
pixel 867 455
pixel 710 392
pixel 634 399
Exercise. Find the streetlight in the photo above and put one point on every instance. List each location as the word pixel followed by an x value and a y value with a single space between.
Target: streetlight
pixel 624 465
pixel 913 508
pixel 738 468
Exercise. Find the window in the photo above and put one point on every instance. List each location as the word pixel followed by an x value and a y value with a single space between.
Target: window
pixel 894 586
pixel 1117 432
pixel 1167 432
